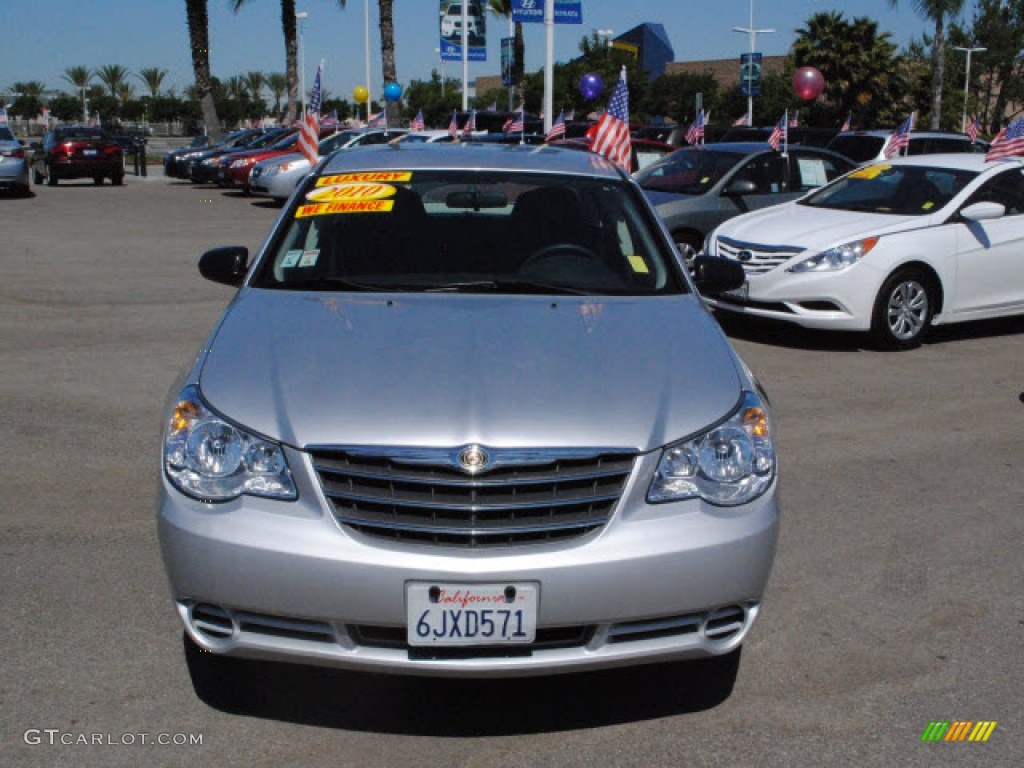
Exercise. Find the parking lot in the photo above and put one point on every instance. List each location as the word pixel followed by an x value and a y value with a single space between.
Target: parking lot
pixel 897 596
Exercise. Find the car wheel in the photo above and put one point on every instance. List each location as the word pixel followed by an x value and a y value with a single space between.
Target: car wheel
pixel 903 310
pixel 37 177
pixel 118 180
pixel 51 180
pixel 689 245
pixel 97 180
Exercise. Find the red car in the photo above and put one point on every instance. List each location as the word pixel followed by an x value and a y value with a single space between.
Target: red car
pixel 235 169
pixel 77 152
pixel 644 151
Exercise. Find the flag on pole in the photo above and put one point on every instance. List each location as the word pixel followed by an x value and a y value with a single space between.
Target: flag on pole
pixel 779 135
pixel 900 138
pixel 972 128
pixel 611 138
pixel 847 123
pixel 309 129
pixel 518 122
pixel 453 126
pixel 557 128
pixel 794 121
pixel 1008 142
pixel 470 126
pixel 95 122
pixel 417 123
pixel 743 119
pixel 331 119
pixel 696 133
pixel 378 120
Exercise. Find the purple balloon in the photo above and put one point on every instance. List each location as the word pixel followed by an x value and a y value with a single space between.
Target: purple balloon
pixel 591 85
pixel 808 83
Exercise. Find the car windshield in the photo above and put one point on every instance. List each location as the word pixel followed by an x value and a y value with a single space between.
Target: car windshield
pixel 905 190
pixel 5 134
pixel 470 232
pixel 688 172
pixel 266 140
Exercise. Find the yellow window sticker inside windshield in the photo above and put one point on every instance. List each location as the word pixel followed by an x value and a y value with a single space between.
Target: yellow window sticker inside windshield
pixel 638 264
pixel 870 172
pixel 358 191
pixel 365 177
pixel 928 206
pixel 705 180
pixel 291 259
pixel 345 206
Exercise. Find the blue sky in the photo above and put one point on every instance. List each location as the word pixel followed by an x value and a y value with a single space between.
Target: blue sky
pixel 43 38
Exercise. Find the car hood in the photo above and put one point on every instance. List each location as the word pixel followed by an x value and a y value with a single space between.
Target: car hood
pixel 280 160
pixel 804 227
pixel 428 370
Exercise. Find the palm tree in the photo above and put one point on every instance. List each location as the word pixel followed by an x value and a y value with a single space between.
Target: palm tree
pixel 387 52
pixel 237 89
pixel 80 78
pixel 126 92
pixel 112 76
pixel 277 84
pixel 153 77
pixel 503 8
pixel 291 49
pixel 199 40
pixel 939 12
pixel 254 82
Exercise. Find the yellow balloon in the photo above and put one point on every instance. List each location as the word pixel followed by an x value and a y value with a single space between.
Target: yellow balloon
pixel 360 94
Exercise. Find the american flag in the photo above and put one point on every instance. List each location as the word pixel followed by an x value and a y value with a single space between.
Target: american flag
pixel 794 121
pixel 696 132
pixel 612 136
pixel 847 122
pixel 453 126
pixel 1008 142
pixel 900 138
pixel 331 119
pixel 470 126
pixel 309 130
pixel 743 119
pixel 557 128
pixel 518 122
pixel 972 128
pixel 95 122
pixel 378 120
pixel 417 123
pixel 780 133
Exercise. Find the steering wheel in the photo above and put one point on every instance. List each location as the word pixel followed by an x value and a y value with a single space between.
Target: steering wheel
pixel 559 252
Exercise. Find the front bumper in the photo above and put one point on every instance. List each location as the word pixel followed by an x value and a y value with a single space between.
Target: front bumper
pixel 284 581
pixel 276 185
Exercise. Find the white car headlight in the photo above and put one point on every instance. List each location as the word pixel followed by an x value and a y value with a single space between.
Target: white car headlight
pixel 835 259
pixel 211 459
pixel 210 161
pixel 728 465
pixel 293 164
pixel 240 163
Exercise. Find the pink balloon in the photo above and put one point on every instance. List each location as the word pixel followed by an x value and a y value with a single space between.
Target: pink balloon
pixel 808 83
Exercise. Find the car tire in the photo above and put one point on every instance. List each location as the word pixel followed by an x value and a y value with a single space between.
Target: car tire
pixel 37 177
pixel 118 180
pixel 903 310
pixel 689 244
pixel 51 180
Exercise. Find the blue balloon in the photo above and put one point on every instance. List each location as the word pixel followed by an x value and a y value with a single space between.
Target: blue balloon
pixel 591 85
pixel 392 91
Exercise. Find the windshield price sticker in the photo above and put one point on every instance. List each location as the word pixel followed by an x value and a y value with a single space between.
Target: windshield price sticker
pixel 338 192
pixel 471 614
pixel 344 206
pixel 870 172
pixel 365 177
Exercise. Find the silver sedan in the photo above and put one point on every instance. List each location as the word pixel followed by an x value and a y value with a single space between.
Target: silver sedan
pixel 467 415
pixel 13 163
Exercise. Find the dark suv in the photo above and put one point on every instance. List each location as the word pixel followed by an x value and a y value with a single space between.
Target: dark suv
pixel 77 152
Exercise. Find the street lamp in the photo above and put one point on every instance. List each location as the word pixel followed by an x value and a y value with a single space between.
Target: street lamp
pixel 301 16
pixel 967 81
pixel 753 33
pixel 606 35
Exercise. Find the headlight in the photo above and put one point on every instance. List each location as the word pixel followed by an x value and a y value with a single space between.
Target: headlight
pixel 834 259
pixel 213 460
pixel 293 164
pixel 268 170
pixel 731 464
pixel 241 163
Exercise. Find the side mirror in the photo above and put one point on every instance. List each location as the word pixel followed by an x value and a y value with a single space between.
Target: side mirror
pixel 739 188
pixel 715 275
pixel 983 211
pixel 225 265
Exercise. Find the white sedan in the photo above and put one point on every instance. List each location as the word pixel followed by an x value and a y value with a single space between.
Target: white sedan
pixel 891 248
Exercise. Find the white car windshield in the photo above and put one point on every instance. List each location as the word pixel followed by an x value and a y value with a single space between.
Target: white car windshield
pixel 904 190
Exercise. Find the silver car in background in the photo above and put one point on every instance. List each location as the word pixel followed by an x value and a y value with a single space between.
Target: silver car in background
pixel 13 162
pixel 467 415
pixel 278 176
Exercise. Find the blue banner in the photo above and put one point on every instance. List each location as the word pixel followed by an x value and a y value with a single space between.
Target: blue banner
pixel 532 11
pixel 750 74
pixel 451 30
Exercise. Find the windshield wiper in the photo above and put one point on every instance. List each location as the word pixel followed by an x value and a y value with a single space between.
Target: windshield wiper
pixel 509 286
pixel 324 283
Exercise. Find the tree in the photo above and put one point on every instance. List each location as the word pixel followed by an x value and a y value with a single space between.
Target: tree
pixel 199 40
pixel 277 84
pixel 426 95
pixel 113 77
pixel 80 78
pixel 153 77
pixel 938 12
pixel 503 8
pixel 28 98
pixel 997 75
pixel 291 49
pixel 387 51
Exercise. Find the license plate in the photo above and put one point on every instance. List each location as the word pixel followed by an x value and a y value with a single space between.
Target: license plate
pixel 739 293
pixel 471 614
pixel 90 152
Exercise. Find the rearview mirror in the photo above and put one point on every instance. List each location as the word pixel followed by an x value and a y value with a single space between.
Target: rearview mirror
pixel 716 275
pixel 226 265
pixel 475 199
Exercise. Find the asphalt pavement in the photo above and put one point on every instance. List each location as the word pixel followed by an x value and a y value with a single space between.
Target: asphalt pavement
pixel 897 597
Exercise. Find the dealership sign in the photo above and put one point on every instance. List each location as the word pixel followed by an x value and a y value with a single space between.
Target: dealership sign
pixel 566 11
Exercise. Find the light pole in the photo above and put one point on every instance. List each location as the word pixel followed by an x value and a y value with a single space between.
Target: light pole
pixel 605 35
pixel 753 33
pixel 369 89
pixel 301 17
pixel 967 81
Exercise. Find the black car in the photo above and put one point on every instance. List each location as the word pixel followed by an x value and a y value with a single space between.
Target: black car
pixel 77 152
pixel 176 163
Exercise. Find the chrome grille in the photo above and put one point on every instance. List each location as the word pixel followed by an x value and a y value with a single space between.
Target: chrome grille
pixel 756 259
pixel 421 496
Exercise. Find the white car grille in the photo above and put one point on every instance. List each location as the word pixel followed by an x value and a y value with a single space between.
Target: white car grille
pixel 755 258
